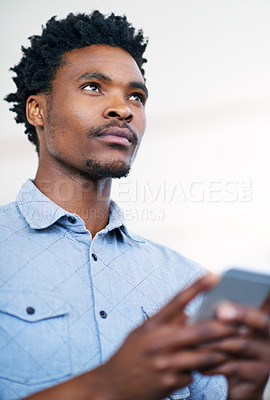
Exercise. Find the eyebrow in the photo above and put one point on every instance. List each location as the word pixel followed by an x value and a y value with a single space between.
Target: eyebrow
pixel 105 78
pixel 139 85
pixel 94 75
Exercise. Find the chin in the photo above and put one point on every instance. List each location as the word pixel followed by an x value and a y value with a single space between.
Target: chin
pixel 116 169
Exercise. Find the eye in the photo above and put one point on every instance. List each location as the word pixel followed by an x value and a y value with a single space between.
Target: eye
pixel 91 87
pixel 137 97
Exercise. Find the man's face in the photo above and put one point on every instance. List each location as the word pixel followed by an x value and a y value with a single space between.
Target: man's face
pixel 95 113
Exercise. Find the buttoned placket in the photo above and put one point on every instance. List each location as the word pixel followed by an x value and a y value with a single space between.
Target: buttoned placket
pixel 102 304
pixel 96 266
pixel 104 282
pixel 78 230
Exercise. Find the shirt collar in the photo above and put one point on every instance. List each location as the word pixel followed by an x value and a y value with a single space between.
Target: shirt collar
pixel 117 220
pixel 40 212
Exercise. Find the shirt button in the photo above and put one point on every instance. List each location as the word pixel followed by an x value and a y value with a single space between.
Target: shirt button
pixel 72 220
pixel 103 314
pixel 30 310
pixel 94 256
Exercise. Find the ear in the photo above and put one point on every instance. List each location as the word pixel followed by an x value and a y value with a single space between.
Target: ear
pixel 35 110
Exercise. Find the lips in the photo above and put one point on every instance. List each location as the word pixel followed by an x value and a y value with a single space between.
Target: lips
pixel 116 135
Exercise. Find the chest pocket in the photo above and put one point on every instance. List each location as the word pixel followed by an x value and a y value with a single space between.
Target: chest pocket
pixel 33 337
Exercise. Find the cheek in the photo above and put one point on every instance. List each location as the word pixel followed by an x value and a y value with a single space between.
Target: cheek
pixel 64 137
pixel 75 111
pixel 139 119
pixel 70 124
pixel 142 124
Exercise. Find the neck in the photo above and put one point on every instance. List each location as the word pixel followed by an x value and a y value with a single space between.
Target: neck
pixel 77 194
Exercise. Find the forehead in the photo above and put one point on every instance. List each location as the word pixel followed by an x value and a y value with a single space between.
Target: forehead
pixel 113 61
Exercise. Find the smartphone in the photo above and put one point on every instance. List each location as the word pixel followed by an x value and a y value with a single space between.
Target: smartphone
pixel 236 285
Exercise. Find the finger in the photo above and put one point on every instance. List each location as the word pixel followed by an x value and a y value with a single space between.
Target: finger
pixel 249 316
pixel 173 339
pixel 173 380
pixel 242 348
pixel 266 305
pixel 248 371
pixel 177 305
pixel 189 361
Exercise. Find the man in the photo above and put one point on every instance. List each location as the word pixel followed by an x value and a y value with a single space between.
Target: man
pixel 80 293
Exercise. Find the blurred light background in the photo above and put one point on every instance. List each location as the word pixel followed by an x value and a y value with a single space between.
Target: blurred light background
pixel 200 183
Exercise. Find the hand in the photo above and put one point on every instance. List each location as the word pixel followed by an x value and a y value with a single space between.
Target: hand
pixel 247 370
pixel 158 357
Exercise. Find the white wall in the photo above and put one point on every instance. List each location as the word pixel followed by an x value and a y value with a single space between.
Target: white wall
pixel 200 181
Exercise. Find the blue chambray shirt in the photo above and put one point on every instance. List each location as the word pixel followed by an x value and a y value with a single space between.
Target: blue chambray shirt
pixel 55 282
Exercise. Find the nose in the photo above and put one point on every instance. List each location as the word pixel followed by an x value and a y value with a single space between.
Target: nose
pixel 118 110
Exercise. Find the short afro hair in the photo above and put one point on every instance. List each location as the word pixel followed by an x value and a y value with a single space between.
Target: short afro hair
pixel 40 61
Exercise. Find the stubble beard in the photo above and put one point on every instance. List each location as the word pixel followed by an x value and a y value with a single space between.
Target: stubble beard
pixel 98 170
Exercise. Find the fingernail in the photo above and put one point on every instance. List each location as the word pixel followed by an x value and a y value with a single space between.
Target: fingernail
pixel 211 278
pixel 226 311
pixel 243 330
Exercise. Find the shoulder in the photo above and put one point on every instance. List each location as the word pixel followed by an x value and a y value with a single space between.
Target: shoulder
pixel 11 220
pixel 10 212
pixel 168 270
pixel 168 257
